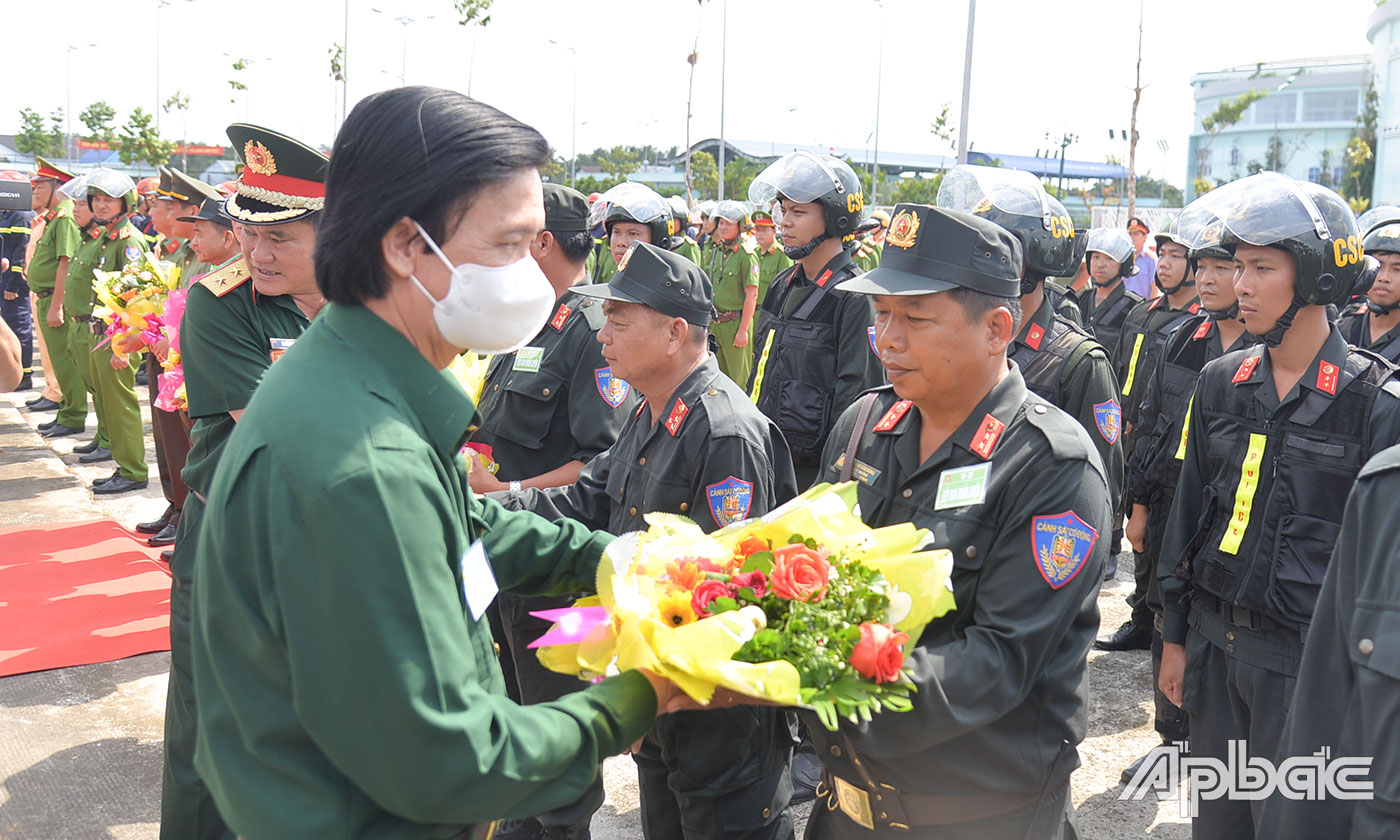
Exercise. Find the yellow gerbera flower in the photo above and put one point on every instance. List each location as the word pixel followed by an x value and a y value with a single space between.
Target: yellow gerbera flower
pixel 675 609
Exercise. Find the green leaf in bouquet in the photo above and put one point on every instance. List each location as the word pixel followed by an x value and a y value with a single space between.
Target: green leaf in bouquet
pixel 722 605
pixel 747 593
pixel 759 561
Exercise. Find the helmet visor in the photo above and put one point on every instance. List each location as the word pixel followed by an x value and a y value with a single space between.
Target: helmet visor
pixel 734 211
pixel 1377 216
pixel 976 189
pixel 1263 209
pixel 636 201
pixel 75 189
pixel 800 176
pixel 1114 242
pixel 109 182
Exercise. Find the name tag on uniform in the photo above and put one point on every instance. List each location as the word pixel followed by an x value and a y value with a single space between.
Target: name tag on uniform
pixel 278 346
pixel 478 582
pixel 528 359
pixel 962 487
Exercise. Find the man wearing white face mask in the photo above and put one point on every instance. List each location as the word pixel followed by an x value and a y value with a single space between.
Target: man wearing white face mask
pixel 345 671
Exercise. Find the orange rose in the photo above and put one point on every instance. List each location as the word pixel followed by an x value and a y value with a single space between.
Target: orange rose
pixel 800 573
pixel 878 655
pixel 683 573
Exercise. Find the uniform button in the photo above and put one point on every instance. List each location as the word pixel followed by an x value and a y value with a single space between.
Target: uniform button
pixel 642 461
pixel 1229 648
pixel 836 751
pixel 1039 409
pixel 970 551
pixel 907 492
pixel 1230 636
pixel 496 387
pixel 632 512
pixel 766 812
pixel 713 392
pixel 496 647
pixel 685 506
pixel 1366 646
pixel 546 392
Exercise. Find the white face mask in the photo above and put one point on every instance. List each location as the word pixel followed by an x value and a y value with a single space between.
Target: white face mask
pixel 490 309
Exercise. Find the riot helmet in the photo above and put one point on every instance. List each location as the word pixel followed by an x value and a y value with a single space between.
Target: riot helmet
pixel 808 178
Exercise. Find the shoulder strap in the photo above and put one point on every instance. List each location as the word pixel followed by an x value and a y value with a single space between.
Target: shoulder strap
pixel 848 466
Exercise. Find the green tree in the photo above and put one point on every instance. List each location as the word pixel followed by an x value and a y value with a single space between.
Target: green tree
pixel 1226 114
pixel 621 161
pixel 97 118
pixel 142 143
pixel 554 169
pixel 917 190
pixel 473 12
pixel 738 174
pixel 34 138
pixel 236 83
pixel 1359 155
pixel 942 126
pixel 337 54
pixel 704 175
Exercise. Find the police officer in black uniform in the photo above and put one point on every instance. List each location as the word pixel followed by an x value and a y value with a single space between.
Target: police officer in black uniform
pixel 1275 437
pixel 1373 324
pixel 1013 488
pixel 1154 462
pixel 1059 361
pixel 547 409
pixel 1348 693
pixel 813 345
pixel 1107 301
pixel 698 447
pixel 1145 330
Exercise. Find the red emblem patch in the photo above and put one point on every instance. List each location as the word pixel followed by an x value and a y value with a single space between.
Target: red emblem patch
pixel 893 416
pixel 826 275
pixel 1246 369
pixel 560 317
pixel 1202 331
pixel 1194 308
pixel 1034 336
pixel 673 423
pixel 987 436
pixel 1327 378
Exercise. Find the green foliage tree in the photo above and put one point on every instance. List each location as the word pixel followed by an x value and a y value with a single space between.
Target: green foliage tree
pixel 236 83
pixel 738 174
pixel 917 190
pixel 621 161
pixel 942 126
pixel 704 175
pixel 97 118
pixel 337 54
pixel 473 12
pixel 34 138
pixel 1226 114
pixel 142 143
pixel 554 169
pixel 1359 155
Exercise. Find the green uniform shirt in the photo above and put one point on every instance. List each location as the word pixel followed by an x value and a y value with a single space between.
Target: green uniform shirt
pixel 226 346
pixel 690 250
pixel 555 400
pixel 345 688
pixel 60 239
pixel 735 270
pixel 770 264
pixel 1020 499
pixel 191 268
pixel 107 248
pixel 604 267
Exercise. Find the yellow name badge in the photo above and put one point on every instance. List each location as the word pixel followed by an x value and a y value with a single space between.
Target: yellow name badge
pixel 1244 495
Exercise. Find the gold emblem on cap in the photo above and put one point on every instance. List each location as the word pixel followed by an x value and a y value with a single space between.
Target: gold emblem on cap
pixel 904 230
pixel 626 257
pixel 258 159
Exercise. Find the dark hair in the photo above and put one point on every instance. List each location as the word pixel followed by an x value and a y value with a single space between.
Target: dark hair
pixel 420 152
pixel 576 244
pixel 975 304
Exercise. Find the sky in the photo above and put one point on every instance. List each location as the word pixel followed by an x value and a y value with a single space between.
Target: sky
pixel 789 71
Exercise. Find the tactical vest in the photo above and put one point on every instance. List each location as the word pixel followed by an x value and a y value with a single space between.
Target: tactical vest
pixel 1106 325
pixel 1044 369
pixel 1184 355
pixel 1145 330
pixel 794 372
pixel 1277 487
pixel 1356 329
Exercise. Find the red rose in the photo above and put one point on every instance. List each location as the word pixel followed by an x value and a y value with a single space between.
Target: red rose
pixel 707 591
pixel 878 655
pixel 754 580
pixel 800 573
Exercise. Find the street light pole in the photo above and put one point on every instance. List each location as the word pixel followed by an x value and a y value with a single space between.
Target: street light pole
pixel 879 81
pixel 573 126
pixel 967 84
pixel 68 99
pixel 1278 158
pixel 723 66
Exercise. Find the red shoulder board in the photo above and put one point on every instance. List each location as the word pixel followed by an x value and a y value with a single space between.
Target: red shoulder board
pixel 987 436
pixel 1203 330
pixel 1327 377
pixel 1246 369
pixel 1155 301
pixel 1194 308
pixel 673 423
pixel 826 275
pixel 1034 336
pixel 641 405
pixel 560 317
pixel 893 416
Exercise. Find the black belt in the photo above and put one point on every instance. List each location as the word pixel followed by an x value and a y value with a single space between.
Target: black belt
pixel 726 315
pixel 42 293
pixel 1237 615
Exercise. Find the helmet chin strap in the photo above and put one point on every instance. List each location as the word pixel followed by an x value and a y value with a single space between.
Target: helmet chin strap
pixel 1381 309
pixel 1105 284
pixel 1274 336
pixel 1223 314
pixel 798 252
pixel 1174 289
pixel 1030 280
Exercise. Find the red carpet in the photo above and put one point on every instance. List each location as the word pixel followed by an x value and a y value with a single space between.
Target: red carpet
pixel 79 593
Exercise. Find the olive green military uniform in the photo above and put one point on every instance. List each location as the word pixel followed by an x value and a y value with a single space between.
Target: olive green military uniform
pixel 1019 496
pixel 709 455
pixel 347 682
pixel 59 240
pixel 191 268
pixel 771 263
pixel 690 250
pixel 114 398
pixel 1348 687
pixel 735 272
pixel 226 340
pixel 866 255
pixel 603 266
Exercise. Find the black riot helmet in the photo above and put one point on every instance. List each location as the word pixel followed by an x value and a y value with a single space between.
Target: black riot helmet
pixel 1117 245
pixel 633 202
pixel 808 178
pixel 1016 201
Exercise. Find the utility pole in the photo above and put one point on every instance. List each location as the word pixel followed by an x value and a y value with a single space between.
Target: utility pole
pixel 723 65
pixel 879 80
pixel 967 84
